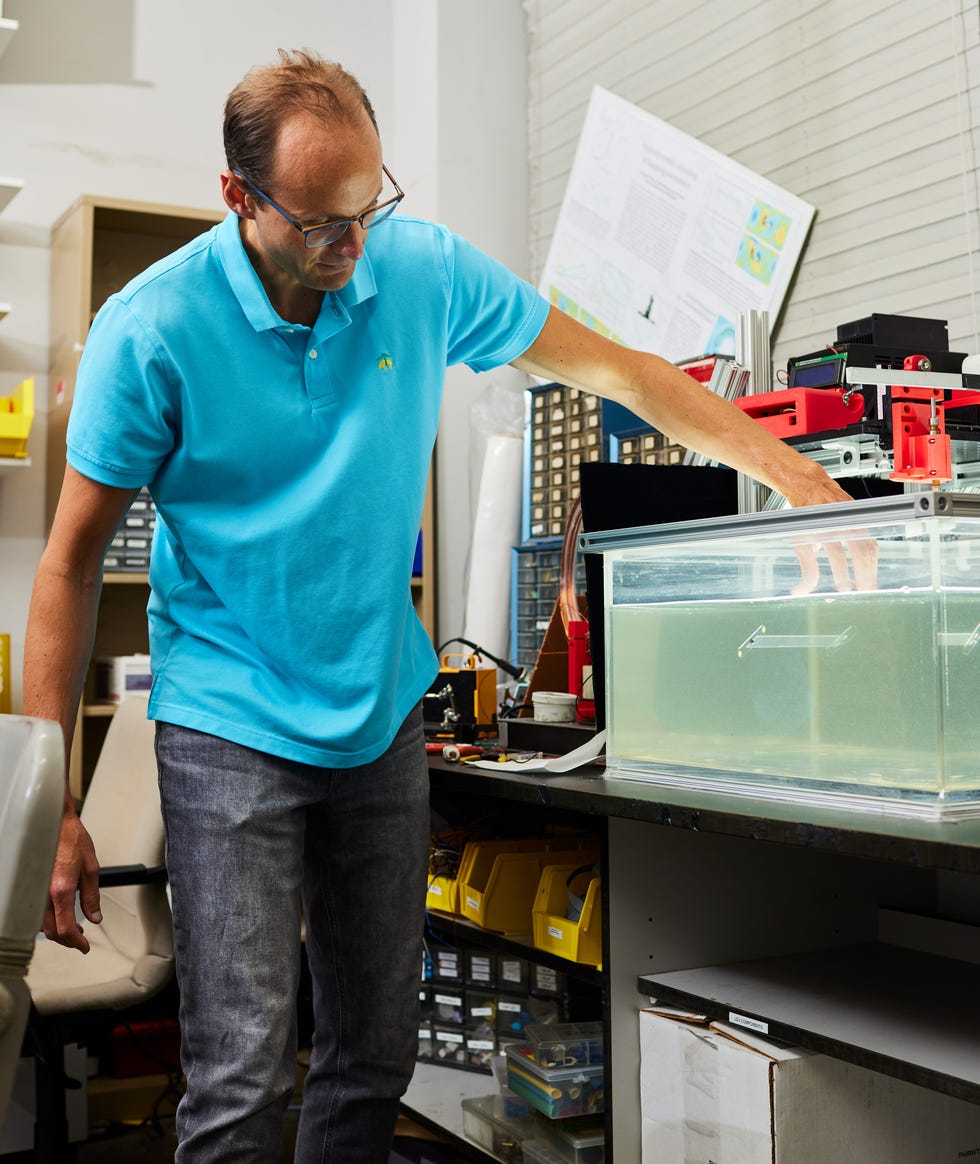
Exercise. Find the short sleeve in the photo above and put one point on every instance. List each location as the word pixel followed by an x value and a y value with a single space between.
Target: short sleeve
pixel 495 316
pixel 123 414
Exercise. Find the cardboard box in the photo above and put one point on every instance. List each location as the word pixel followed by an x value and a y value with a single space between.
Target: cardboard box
pixel 712 1093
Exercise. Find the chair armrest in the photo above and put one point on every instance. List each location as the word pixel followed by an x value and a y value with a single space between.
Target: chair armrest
pixel 131 874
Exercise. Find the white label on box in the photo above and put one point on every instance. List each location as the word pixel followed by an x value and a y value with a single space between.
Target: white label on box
pixel 447 1037
pixel 547 979
pixel 479 1044
pixel 482 1011
pixel 449 1000
pixel 741 1020
pixel 511 1006
pixel 555 932
pixel 472 902
pixel 435 890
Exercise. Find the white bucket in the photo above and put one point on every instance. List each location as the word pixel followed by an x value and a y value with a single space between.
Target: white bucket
pixel 554 706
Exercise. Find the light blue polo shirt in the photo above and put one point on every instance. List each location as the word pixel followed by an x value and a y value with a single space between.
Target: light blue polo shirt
pixel 289 466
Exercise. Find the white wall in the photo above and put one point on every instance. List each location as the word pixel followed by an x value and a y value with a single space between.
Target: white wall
pixel 123 98
pixel 868 109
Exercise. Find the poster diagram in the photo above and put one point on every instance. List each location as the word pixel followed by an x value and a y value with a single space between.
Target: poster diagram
pixel 662 241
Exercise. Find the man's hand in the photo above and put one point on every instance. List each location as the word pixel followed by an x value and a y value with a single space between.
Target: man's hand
pixel 76 869
pixel 853 563
pixel 853 559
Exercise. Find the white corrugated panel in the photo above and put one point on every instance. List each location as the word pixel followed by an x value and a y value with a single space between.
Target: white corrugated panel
pixel 868 109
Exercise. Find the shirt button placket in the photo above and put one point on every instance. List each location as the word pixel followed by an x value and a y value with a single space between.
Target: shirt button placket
pixel 316 386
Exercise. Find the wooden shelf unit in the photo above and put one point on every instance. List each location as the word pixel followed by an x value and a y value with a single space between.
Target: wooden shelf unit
pixel 97 246
pixel 424 587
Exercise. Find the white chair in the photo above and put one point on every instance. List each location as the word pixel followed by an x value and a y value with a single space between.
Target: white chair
pixel 32 790
pixel 131 956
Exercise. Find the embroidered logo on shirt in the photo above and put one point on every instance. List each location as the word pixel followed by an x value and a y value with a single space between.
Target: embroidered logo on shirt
pixel 385 362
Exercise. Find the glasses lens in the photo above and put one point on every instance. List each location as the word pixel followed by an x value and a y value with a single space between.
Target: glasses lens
pixel 322 236
pixel 326 234
pixel 380 214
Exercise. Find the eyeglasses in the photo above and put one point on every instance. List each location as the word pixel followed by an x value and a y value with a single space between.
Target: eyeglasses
pixel 324 233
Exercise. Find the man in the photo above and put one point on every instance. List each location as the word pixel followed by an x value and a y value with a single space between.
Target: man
pixel 277 384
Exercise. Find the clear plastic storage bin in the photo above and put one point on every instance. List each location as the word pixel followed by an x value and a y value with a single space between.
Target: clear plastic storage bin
pixel 728 667
pixel 564 1044
pixel 499 1123
pixel 579 1140
pixel 559 1092
pixel 567 1142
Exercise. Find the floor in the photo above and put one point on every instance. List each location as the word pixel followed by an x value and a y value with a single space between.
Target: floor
pixel 120 1143
pixel 154 1142
pixel 131 1116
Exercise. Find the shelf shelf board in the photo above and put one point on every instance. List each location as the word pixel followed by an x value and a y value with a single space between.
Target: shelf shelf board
pixel 8 186
pixel 99 710
pixel 905 1013
pixel 450 926
pixel 435 1099
pixel 122 576
pixel 4 310
pixel 15 462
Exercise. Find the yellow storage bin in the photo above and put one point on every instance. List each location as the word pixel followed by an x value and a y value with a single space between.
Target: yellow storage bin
pixel 498 879
pixel 447 849
pixel 16 417
pixel 476 868
pixel 577 940
pixel 442 893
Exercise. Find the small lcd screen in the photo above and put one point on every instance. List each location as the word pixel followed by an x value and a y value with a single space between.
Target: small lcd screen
pixel 821 374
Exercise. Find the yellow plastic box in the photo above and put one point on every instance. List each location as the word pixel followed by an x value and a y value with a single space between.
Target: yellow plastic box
pixel 442 893
pixel 577 940
pixel 16 418
pixel 443 889
pixel 498 879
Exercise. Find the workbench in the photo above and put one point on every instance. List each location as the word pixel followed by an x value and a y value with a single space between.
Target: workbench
pixel 707 895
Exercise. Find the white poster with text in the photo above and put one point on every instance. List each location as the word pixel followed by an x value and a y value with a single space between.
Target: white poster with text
pixel 662 241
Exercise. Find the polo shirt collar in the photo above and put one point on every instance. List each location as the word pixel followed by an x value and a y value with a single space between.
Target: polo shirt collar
pixel 248 289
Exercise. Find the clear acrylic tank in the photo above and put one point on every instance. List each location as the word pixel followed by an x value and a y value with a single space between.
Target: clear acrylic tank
pixel 721 673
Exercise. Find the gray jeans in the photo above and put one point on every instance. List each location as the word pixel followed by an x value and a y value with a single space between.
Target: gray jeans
pixel 251 841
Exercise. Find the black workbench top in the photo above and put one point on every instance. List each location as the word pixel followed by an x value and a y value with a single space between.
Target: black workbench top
pixel 882 836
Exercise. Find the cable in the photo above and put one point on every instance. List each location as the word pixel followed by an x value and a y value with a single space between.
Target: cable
pixel 567 594
pixel 511 669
